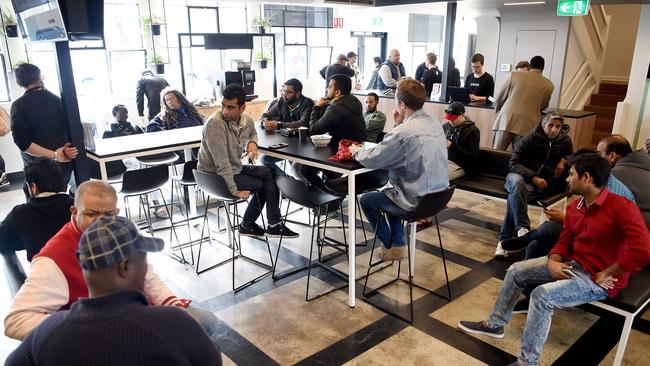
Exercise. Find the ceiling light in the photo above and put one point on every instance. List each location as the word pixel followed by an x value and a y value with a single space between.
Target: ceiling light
pixel 526 3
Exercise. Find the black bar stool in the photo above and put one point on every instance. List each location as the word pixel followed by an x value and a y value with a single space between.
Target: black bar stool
pixel 430 205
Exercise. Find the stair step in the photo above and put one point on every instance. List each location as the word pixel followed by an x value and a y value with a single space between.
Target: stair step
pixel 601 111
pixel 612 88
pixel 606 100
pixel 597 136
pixel 603 125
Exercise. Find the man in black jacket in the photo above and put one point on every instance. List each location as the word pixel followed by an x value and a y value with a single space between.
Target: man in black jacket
pixel 463 138
pixel 339 67
pixel 291 110
pixel 150 85
pixel 339 114
pixel 30 225
pixel 537 165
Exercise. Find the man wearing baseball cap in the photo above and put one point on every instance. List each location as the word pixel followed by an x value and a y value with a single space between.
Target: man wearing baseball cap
pixel 115 325
pixel 339 67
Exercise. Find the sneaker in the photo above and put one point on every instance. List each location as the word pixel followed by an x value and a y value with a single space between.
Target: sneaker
pixel 381 252
pixel 522 231
pixel 513 245
pixel 395 254
pixel 500 252
pixel 521 307
pixel 280 230
pixel 251 230
pixel 480 328
pixel 161 213
pixel 3 179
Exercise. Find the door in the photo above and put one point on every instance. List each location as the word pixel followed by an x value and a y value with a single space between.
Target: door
pixel 536 43
pixel 370 45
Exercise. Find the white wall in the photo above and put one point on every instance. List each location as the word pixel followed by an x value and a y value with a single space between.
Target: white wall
pixel 487 41
pixel 622 36
pixel 532 18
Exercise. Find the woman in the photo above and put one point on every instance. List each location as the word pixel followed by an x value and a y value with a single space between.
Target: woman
pixel 176 112
pixel 375 74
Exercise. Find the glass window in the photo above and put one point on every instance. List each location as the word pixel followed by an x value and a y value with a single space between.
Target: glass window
pixel 295 19
pixel 232 20
pixel 126 68
pixel 4 85
pixel 294 36
pixel 200 67
pixel 204 20
pixel 317 37
pixel 295 62
pixel 121 26
pixel 176 24
pixel 90 71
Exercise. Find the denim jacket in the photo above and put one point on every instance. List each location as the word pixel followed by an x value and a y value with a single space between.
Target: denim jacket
pixel 415 155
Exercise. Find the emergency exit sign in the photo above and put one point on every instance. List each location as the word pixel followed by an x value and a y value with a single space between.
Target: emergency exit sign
pixel 572 8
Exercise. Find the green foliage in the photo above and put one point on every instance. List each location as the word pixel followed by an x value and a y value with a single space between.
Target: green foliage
pixel 8 17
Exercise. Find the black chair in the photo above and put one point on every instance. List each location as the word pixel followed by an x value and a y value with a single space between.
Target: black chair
pixel 312 198
pixel 14 272
pixel 215 186
pixel 168 158
pixel 430 205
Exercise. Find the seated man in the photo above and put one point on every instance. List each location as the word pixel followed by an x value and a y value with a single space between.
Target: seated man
pixel 115 325
pixel 603 240
pixel 536 167
pixel 228 133
pixel 291 110
pixel 55 280
pixel 415 155
pixel 631 167
pixel 121 126
pixel 340 115
pixel 30 225
pixel 463 138
pixel 375 119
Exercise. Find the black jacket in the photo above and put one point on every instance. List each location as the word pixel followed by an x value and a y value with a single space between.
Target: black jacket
pixel 30 225
pixel 343 119
pixel 537 155
pixel 464 146
pixel 151 86
pixel 278 110
pixel 122 129
pixel 334 69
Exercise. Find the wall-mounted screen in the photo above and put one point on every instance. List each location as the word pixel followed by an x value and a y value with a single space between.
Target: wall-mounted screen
pixel 41 22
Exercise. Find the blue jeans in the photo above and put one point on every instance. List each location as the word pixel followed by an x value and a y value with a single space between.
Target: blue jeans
pixel 548 295
pixel 272 163
pixel 391 234
pixel 206 319
pixel 516 206
pixel 543 239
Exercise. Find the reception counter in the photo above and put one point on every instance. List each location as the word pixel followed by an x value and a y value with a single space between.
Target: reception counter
pixel 581 122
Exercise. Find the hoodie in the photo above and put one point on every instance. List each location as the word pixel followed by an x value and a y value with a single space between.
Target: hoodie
pixel 465 140
pixel 342 118
pixel 30 225
pixel 538 155
pixel 634 171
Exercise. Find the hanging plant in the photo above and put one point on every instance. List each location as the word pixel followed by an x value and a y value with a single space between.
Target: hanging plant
pixel 159 63
pixel 153 23
pixel 9 22
pixel 262 24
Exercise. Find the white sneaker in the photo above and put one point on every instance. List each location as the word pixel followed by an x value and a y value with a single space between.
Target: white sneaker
pixel 500 252
pixel 522 231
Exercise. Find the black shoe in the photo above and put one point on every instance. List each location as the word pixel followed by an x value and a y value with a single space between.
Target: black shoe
pixel 480 328
pixel 280 230
pixel 251 230
pixel 521 307
pixel 517 244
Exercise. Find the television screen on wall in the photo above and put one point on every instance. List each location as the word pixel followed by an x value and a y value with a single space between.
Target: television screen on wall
pixel 41 22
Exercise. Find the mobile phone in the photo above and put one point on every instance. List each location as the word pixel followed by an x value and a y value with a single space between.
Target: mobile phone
pixel 544 205
pixel 569 272
pixel 278 146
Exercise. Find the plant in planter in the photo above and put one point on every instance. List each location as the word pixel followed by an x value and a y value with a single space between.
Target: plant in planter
pixel 263 59
pixel 262 24
pixel 153 23
pixel 159 63
pixel 9 22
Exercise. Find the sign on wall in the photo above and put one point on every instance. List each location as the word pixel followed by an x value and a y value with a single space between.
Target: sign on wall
pixel 337 23
pixel 572 8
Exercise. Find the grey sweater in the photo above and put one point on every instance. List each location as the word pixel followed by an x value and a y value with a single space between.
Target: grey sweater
pixel 222 146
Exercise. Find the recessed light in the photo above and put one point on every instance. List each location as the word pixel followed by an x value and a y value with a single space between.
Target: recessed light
pixel 526 3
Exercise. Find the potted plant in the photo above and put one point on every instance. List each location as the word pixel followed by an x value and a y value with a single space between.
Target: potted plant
pixel 154 23
pixel 263 59
pixel 159 63
pixel 262 24
pixel 10 23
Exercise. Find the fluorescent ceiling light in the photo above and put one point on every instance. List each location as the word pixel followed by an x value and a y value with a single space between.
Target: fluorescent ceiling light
pixel 526 3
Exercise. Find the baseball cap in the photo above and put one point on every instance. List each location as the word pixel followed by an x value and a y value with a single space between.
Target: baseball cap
pixel 342 57
pixel 110 239
pixel 351 54
pixel 454 110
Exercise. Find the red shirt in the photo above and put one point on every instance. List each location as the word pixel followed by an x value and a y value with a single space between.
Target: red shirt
pixel 608 231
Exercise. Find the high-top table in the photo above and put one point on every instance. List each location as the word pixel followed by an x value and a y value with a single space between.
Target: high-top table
pixel 302 150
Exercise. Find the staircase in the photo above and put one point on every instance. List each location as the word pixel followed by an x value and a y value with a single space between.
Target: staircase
pixel 604 104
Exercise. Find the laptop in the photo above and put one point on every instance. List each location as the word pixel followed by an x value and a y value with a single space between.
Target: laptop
pixel 457 94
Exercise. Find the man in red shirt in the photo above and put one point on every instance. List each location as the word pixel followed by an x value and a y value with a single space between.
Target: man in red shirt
pixel 603 240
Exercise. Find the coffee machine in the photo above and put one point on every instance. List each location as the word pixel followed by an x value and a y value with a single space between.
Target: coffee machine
pixel 244 76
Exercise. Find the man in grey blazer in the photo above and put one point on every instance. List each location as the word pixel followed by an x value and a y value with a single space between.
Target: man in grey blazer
pixel 519 104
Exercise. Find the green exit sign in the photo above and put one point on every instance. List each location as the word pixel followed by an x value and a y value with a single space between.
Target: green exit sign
pixel 572 8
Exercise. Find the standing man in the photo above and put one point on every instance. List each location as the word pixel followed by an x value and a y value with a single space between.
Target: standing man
pixel 415 155
pixel 519 104
pixel 228 133
pixel 432 75
pixel 149 85
pixel 352 63
pixel 339 67
pixel 375 120
pixel 391 71
pixel 479 82
pixel 38 124
pixel 290 110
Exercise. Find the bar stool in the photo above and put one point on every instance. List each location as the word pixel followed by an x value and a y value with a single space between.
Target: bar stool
pixel 430 205
pixel 215 186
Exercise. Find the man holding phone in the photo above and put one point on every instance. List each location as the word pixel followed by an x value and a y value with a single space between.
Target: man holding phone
pixel 603 240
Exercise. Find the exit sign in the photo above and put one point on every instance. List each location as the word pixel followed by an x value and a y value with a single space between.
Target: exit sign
pixel 337 22
pixel 572 8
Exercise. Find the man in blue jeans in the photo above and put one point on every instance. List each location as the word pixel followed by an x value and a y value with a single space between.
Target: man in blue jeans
pixel 603 240
pixel 536 166
pixel 415 155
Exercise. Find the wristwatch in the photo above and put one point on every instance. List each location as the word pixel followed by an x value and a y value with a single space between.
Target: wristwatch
pixel 56 156
pixel 280 125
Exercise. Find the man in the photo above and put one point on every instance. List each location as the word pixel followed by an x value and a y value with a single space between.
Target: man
pixel 431 75
pixel 352 63
pixel 115 325
pixel 339 67
pixel 630 167
pixel 228 132
pixel 391 72
pixel 291 110
pixel 38 124
pixel 419 71
pixel 519 104
pixel 121 126
pixel 536 166
pixel 479 82
pixel 463 138
pixel 603 240
pixel 522 66
pixel 375 120
pixel 55 281
pixel 30 225
pixel 415 155
pixel 340 115
pixel 149 85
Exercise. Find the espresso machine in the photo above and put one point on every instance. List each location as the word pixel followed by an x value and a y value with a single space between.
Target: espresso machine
pixel 244 76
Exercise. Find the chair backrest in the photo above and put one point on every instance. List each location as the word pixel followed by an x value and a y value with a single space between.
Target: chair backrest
pixel 146 179
pixel 188 167
pixel 295 190
pixel 214 185
pixel 431 204
pixel 493 162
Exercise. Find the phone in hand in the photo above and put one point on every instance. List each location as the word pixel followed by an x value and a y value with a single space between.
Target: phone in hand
pixel 543 204
pixel 278 146
pixel 569 272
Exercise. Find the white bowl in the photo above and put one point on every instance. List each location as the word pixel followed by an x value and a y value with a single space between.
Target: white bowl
pixel 321 140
